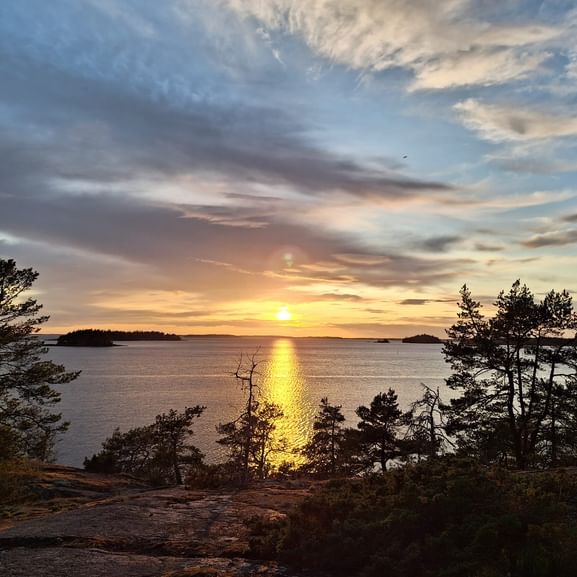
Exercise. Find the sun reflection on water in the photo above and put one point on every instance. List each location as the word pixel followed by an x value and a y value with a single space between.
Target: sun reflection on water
pixel 284 385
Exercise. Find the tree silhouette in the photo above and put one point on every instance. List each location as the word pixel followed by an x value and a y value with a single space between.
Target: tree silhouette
pixel 155 452
pixel 250 437
pixel 26 379
pixel 323 450
pixel 378 428
pixel 517 375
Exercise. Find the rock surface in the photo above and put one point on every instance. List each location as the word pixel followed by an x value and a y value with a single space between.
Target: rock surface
pixel 146 533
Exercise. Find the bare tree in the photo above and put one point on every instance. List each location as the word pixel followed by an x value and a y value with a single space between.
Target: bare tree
pixel 250 437
pixel 426 424
pixel 245 373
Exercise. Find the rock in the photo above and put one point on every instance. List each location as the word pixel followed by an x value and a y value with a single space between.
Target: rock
pixel 169 532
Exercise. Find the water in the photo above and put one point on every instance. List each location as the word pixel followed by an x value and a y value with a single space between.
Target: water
pixel 128 386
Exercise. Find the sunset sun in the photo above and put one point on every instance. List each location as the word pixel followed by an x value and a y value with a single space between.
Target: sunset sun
pixel 283 314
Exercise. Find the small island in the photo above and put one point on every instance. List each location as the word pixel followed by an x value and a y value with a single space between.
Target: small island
pixel 423 339
pixel 106 338
pixel 382 341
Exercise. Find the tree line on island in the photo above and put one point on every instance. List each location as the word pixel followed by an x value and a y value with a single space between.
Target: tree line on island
pixel 438 489
pixel 106 338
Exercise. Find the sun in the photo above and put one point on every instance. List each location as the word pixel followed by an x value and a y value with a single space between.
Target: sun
pixel 283 314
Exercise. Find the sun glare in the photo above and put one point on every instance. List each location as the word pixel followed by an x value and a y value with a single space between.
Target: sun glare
pixel 283 314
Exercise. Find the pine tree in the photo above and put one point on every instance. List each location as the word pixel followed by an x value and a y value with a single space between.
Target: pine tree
pixel 379 428
pixel 517 375
pixel 26 378
pixel 323 451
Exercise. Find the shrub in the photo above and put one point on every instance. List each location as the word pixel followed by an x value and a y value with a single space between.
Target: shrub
pixel 450 518
pixel 13 486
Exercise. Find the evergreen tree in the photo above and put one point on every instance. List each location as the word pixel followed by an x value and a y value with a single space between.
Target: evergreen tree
pixel 516 373
pixel 379 426
pixel 324 450
pixel 26 394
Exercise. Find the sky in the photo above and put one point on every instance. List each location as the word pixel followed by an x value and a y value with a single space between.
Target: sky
pixel 297 167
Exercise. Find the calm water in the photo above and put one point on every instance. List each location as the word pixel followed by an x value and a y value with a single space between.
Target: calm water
pixel 128 386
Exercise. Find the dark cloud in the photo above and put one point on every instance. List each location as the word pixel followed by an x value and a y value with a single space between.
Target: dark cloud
pixel 556 238
pixel 97 132
pixel 339 297
pixel 414 302
pixel 424 301
pixel 441 243
pixel 486 247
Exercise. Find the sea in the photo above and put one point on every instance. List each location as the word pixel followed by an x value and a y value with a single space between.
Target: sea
pixel 127 386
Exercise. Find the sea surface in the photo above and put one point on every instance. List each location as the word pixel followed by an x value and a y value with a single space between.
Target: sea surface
pixel 127 386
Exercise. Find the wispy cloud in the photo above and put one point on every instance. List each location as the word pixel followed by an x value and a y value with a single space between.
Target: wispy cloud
pixel 444 44
pixel 507 122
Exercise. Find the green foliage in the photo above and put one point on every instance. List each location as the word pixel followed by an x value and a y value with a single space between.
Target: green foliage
pixel 156 452
pixel 516 373
pixel 442 518
pixel 26 379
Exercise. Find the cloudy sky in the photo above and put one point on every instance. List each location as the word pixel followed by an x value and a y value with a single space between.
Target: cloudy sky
pixel 197 165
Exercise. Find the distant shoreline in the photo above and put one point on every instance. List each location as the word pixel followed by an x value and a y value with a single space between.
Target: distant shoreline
pixel 54 336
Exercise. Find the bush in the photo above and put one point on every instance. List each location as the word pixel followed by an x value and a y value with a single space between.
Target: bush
pixel 156 453
pixel 449 518
pixel 212 476
pixel 14 475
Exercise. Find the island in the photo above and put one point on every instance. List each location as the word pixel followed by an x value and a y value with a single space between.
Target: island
pixel 423 339
pixel 382 341
pixel 106 338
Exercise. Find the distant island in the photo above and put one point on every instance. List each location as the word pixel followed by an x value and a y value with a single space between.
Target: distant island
pixel 106 338
pixel 382 341
pixel 423 339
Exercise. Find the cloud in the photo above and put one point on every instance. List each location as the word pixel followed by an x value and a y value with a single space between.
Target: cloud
pixel 419 302
pixel 438 243
pixel 155 152
pixel 411 302
pixel 515 123
pixel 511 201
pixel 532 161
pixel 553 238
pixel 339 297
pixel 362 259
pixel 229 216
pixel 128 134
pixel 486 247
pixel 478 67
pixel 445 44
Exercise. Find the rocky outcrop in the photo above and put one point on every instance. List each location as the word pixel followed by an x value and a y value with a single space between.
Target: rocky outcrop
pixel 169 532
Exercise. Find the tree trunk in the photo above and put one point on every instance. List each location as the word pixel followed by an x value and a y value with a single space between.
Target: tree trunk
pixel 177 474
